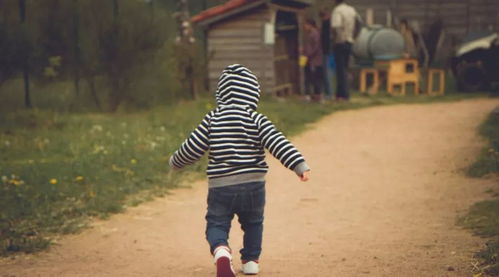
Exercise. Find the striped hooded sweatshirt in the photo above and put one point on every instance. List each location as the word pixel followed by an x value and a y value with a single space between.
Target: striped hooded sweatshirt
pixel 235 135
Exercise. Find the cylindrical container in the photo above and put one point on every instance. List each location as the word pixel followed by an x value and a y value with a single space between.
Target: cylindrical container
pixel 378 43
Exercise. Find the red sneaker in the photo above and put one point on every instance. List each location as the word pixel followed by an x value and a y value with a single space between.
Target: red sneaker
pixel 223 261
pixel 225 268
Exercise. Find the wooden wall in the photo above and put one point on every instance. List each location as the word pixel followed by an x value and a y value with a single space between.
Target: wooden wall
pixel 240 40
pixel 459 16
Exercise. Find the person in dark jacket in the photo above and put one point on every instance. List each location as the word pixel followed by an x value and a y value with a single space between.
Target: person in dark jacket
pixel 327 53
pixel 314 72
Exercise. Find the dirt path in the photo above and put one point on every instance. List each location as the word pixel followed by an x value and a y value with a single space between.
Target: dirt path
pixel 386 188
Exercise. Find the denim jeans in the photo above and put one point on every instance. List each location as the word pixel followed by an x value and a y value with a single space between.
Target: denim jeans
pixel 247 201
pixel 328 77
pixel 342 53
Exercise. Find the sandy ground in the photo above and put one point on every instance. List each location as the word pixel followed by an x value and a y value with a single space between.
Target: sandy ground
pixel 387 185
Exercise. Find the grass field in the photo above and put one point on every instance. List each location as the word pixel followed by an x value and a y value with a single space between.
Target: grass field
pixel 488 162
pixel 58 170
pixel 483 217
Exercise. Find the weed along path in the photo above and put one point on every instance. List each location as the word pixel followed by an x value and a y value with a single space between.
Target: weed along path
pixel 387 185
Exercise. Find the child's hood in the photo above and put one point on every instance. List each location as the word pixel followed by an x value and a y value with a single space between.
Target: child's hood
pixel 238 86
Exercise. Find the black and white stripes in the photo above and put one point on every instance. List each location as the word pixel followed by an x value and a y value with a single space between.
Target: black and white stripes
pixel 235 135
pixel 238 85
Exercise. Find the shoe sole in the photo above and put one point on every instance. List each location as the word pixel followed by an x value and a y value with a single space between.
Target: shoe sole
pixel 224 268
pixel 251 272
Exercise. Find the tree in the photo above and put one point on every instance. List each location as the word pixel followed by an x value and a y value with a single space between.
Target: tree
pixel 120 36
pixel 25 51
pixel 102 42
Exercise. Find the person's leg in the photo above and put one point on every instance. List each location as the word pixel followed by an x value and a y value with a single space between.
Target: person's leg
pixel 327 77
pixel 318 83
pixel 218 217
pixel 340 70
pixel 251 220
pixel 346 56
pixel 308 81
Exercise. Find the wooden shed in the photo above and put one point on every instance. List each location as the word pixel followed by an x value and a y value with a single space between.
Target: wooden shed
pixel 263 35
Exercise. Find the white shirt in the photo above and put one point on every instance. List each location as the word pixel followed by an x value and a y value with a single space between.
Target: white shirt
pixel 343 22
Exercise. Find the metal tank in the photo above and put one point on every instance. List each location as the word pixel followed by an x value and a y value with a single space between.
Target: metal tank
pixel 378 43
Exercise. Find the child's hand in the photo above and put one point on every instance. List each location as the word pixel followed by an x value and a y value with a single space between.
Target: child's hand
pixel 305 176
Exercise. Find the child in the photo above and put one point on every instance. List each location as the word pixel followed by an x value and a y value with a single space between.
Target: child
pixel 235 135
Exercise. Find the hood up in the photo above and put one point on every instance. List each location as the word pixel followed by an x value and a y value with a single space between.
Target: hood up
pixel 238 86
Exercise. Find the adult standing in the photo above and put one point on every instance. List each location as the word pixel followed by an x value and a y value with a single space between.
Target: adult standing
pixel 343 20
pixel 327 53
pixel 314 72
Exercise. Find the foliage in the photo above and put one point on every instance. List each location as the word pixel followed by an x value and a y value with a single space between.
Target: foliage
pixel 490 256
pixel 483 219
pixel 105 43
pixel 488 161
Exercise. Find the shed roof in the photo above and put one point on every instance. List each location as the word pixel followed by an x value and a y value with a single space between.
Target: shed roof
pixel 233 7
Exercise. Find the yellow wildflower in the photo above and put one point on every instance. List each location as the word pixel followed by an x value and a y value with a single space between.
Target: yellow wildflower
pixel 133 161
pixel 53 181
pixel 79 178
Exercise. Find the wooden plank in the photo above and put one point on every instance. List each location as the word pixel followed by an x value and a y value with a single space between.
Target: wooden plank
pixel 237 55
pixel 413 6
pixel 244 32
pixel 253 65
pixel 235 40
pixel 254 43
pixel 242 23
pixel 241 48
pixel 456 30
pixel 260 54
pixel 235 31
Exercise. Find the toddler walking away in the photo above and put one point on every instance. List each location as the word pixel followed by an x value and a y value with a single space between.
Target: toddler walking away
pixel 235 136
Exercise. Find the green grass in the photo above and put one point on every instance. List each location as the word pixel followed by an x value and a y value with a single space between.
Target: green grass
pixel 483 217
pixel 488 161
pixel 483 220
pixel 490 258
pixel 61 169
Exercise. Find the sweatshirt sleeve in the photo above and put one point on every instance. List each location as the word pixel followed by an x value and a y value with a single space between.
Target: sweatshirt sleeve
pixel 194 147
pixel 279 146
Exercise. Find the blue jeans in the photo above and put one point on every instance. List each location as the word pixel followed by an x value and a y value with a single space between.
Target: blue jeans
pixel 328 77
pixel 247 201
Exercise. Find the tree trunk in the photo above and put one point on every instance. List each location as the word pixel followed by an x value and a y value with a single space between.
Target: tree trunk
pixel 93 91
pixel 22 10
pixel 116 8
pixel 116 94
pixel 27 97
pixel 22 19
pixel 76 31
